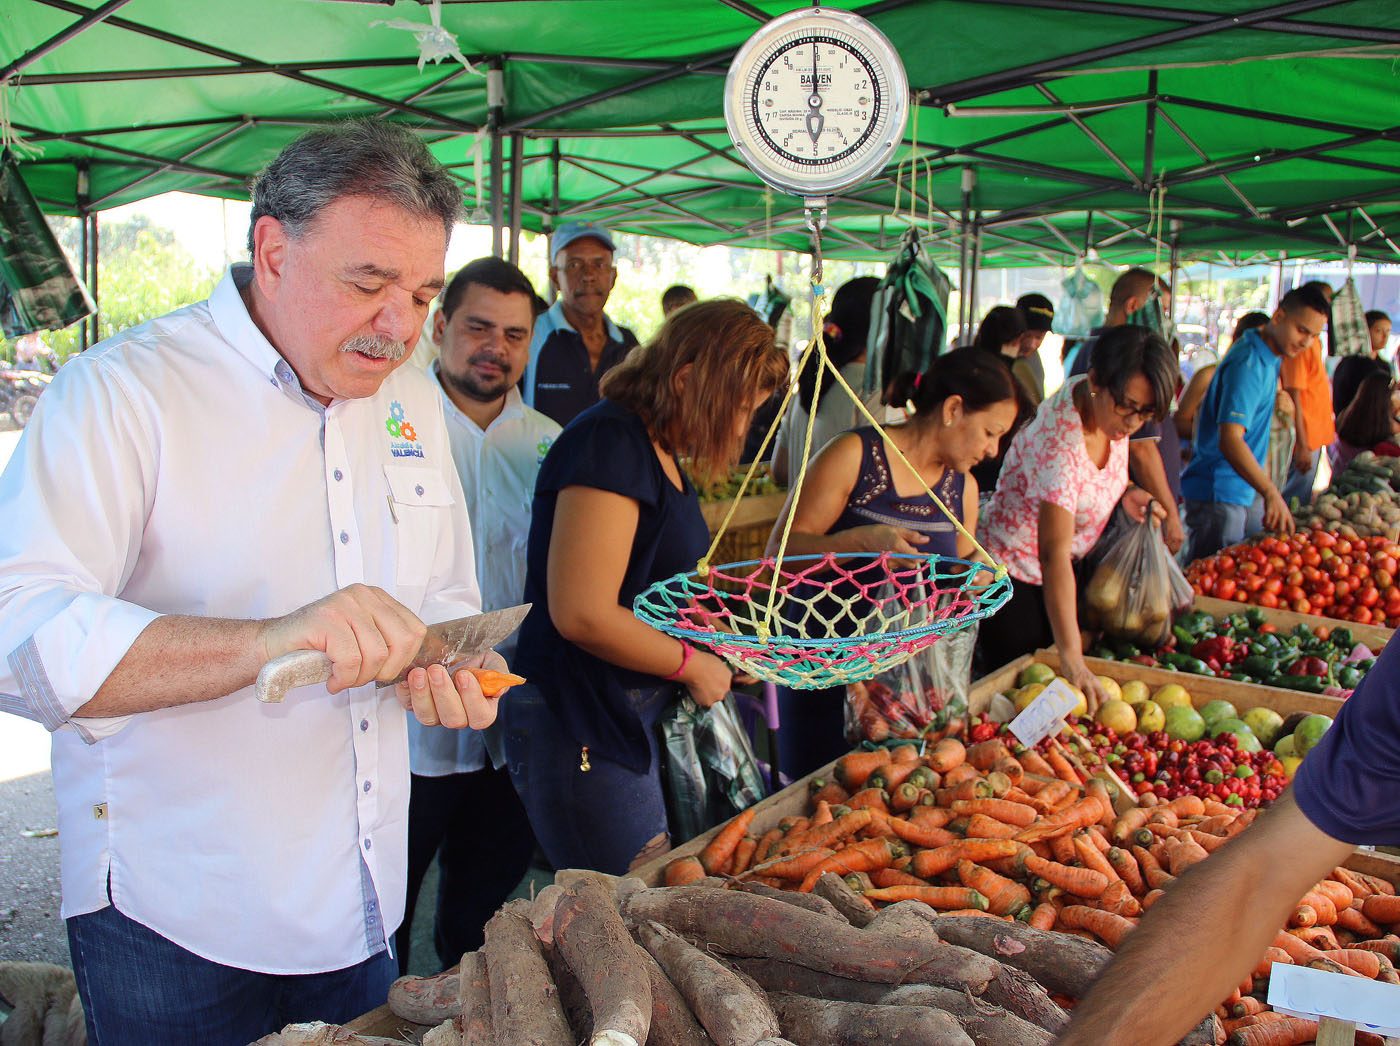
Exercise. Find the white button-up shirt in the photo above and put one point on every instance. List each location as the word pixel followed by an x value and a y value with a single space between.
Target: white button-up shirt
pixel 179 469
pixel 497 467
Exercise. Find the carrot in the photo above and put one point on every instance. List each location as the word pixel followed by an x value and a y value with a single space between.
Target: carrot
pixel 984 753
pixel 907 796
pixel 1061 849
pixel 1044 916
pixel 1004 896
pixel 1241 822
pixel 1051 796
pixel 1127 868
pixel 1008 766
pixel 1359 890
pixel 905 754
pixel 1124 828
pixel 822 814
pixel 960 773
pixel 791 866
pixel 1081 814
pixel 853 768
pixel 1320 937
pixel 947 754
pixel 1118 899
pixel 1387 946
pixel 1091 857
pixel 1151 897
pixel 1291 1031
pixel 1035 764
pixel 721 847
pixel 945 897
pixel 858 857
pixel 765 845
pixel 1183 853
pixel 1109 928
pixel 1325 912
pixel 1216 825
pixel 684 870
pixel 1007 812
pixel 1272 954
pixel 832 832
pixel 1061 768
pixel 743 855
pixel 874 798
pixel 1153 873
pixel 931 816
pixel 1381 908
pixel 1304 954
pixel 1082 882
pixel 928 863
pixel 890 776
pixel 919 834
pixel 494 683
pixel 1358 960
pixel 1247 1007
pixel 980 826
pixel 884 878
pixel 831 793
pixel 1187 806
pixel 968 788
pixel 1376 883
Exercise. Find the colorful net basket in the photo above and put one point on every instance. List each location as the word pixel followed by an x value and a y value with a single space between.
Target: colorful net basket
pixel 819 621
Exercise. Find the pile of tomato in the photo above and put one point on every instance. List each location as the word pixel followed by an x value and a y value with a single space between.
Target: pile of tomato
pixel 1312 572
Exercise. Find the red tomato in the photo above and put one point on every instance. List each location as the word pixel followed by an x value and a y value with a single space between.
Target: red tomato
pixel 1382 577
pixel 1360 571
pixel 1293 593
pixel 1253 583
pixel 1342 547
pixel 1311 557
pixel 1225 588
pixel 1273 586
pixel 1343 588
pixel 1361 616
pixel 1324 539
pixel 1248 567
pixel 1267 600
pixel 1302 606
pixel 1368 596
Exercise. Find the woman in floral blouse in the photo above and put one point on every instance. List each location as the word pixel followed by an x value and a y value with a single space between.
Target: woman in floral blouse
pixel 1063 475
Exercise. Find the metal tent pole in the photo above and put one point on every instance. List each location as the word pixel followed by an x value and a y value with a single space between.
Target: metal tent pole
pixel 95 249
pixel 83 195
pixel 969 182
pixel 975 259
pixel 517 177
pixel 496 102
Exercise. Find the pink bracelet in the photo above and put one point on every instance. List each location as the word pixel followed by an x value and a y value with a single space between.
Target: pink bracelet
pixel 686 651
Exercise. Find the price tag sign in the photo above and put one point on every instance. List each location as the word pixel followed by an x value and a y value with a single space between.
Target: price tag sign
pixel 1045 715
pixel 1317 994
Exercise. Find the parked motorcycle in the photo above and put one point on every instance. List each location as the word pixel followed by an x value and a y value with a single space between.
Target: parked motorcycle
pixel 19 392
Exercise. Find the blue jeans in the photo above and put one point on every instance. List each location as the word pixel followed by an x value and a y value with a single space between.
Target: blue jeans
pixel 813 730
pixel 599 818
pixel 1212 525
pixel 140 989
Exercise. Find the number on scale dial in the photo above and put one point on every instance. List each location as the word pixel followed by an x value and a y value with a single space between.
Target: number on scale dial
pixel 816 101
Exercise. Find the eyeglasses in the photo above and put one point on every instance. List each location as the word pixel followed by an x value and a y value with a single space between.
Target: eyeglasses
pixel 578 266
pixel 1127 411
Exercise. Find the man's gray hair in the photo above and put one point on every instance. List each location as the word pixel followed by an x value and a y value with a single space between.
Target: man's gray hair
pixel 357 158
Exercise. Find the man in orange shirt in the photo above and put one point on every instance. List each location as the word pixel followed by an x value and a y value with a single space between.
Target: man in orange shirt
pixel 1305 379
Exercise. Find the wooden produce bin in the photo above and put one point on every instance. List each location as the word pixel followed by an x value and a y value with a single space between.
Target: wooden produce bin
pixel 1374 636
pixel 1207 688
pixel 748 531
pixel 792 800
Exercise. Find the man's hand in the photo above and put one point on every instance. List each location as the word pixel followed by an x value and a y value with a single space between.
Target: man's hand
pixel 1277 517
pixel 455 702
pixel 368 635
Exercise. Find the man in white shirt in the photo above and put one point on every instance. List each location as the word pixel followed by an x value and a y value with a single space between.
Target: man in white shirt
pixel 247 476
pixel 483 333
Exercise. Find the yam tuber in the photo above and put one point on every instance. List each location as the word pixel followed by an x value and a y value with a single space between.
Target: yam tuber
pixel 823 1022
pixel 475 1000
pixel 589 935
pixel 425 1000
pixel 525 1006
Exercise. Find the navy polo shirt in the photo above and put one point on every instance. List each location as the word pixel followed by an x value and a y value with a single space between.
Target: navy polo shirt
pixel 1348 784
pixel 561 382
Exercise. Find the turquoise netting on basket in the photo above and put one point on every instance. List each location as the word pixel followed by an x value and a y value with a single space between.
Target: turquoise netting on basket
pixel 819 621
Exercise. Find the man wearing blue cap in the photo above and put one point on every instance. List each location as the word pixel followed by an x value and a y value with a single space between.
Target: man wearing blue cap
pixel 575 343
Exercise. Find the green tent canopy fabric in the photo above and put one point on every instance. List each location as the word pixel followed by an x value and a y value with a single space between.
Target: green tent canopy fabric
pixel 1265 127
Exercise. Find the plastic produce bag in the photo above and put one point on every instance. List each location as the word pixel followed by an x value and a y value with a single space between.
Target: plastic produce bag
pixel 1350 335
pixel 708 768
pixel 1081 307
pixel 38 288
pixel 1136 586
pixel 921 693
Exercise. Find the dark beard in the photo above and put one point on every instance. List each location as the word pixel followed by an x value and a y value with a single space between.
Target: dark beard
pixel 472 390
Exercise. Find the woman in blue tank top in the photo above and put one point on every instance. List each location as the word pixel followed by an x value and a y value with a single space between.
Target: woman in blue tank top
pixel 857 497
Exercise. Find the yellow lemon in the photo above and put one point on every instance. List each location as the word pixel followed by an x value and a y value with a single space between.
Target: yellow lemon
pixel 1026 695
pixel 1117 716
pixel 1035 672
pixel 1135 692
pixel 1110 687
pixel 1173 695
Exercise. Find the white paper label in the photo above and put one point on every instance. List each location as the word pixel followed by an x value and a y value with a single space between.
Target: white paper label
pixel 1305 992
pixel 1045 715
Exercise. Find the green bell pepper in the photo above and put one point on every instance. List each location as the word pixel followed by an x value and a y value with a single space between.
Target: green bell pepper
pixel 1186 663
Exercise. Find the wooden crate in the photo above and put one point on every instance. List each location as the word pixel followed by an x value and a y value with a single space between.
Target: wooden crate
pixel 1374 636
pixel 1207 688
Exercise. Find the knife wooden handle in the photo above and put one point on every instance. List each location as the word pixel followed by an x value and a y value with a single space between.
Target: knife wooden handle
pixel 299 668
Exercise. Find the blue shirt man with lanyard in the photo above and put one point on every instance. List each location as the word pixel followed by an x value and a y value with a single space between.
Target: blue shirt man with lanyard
pixel 575 343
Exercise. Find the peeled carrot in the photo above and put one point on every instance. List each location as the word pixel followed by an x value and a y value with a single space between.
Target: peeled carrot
pixel 721 847
pixel 1082 882
pixel 1001 809
pixel 1004 896
pixel 684 870
pixel 944 897
pixel 494 683
pixel 1085 812
pixel 928 863
pixel 1109 928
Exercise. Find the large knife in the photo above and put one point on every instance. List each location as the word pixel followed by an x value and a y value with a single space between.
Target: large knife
pixel 449 643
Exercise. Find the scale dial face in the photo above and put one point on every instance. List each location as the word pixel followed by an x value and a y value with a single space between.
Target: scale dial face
pixel 816 101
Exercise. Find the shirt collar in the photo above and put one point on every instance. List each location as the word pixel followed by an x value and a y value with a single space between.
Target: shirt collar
pixel 231 316
pixel 514 406
pixel 557 318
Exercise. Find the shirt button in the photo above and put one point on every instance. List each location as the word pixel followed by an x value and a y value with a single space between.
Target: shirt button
pixel 366 786
pixel 367 845
pixel 338 475
pixel 364 724
pixel 344 538
pixel 418 490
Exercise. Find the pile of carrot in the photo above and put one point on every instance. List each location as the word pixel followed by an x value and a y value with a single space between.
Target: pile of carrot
pixel 980 830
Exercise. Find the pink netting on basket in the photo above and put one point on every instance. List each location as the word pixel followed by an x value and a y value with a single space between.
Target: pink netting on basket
pixel 835 618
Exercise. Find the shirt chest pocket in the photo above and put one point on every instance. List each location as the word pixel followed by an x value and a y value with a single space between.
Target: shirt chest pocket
pixel 422 506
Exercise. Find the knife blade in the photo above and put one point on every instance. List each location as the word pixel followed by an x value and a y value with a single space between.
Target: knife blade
pixel 447 643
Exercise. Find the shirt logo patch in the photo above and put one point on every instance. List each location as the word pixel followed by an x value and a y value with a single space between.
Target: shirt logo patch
pixel 403 438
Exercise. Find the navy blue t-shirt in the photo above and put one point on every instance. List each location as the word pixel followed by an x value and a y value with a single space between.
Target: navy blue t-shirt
pixel 1349 784
pixel 607 448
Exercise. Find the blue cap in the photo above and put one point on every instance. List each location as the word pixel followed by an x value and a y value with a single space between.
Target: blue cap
pixel 571 231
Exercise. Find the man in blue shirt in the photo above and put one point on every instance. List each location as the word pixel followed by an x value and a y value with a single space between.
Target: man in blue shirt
pixel 1200 940
pixel 1232 429
pixel 575 343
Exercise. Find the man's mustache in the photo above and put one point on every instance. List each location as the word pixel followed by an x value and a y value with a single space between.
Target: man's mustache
pixel 378 346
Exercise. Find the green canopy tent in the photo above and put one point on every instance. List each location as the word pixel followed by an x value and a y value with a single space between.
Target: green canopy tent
pixel 1043 126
